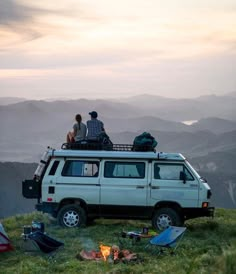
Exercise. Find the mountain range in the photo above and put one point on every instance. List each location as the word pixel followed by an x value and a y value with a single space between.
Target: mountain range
pixel 28 127
pixel 143 105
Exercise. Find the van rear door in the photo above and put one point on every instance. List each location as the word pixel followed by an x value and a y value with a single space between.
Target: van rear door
pixel 173 182
pixel 79 180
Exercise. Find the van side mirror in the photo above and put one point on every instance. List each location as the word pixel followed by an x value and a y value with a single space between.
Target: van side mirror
pixel 182 177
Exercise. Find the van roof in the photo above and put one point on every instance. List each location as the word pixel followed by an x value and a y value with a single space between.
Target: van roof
pixel 116 154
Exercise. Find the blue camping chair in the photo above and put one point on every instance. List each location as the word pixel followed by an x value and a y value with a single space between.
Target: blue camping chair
pixel 169 239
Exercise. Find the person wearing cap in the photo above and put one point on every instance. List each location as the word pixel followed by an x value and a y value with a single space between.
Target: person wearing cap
pixel 94 126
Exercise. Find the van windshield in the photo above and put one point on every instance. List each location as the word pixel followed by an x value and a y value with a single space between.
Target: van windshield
pixel 193 169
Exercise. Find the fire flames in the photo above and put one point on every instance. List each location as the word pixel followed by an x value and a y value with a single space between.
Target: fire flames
pixel 105 250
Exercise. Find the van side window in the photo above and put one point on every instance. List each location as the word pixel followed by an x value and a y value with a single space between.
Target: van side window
pixel 171 172
pixel 124 170
pixel 75 168
pixel 54 168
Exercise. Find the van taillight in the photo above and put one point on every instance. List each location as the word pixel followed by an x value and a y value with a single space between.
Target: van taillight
pixel 209 194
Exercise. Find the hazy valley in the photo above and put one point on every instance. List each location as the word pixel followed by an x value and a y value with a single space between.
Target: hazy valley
pixel 28 127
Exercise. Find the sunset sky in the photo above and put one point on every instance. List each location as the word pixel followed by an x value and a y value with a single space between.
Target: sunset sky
pixel 107 48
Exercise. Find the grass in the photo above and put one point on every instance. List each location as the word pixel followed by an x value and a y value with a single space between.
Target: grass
pixel 208 246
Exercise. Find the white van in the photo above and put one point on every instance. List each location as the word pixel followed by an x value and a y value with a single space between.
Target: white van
pixel 76 185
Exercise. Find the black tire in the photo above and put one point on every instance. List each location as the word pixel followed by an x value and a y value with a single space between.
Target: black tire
pixel 165 217
pixel 71 216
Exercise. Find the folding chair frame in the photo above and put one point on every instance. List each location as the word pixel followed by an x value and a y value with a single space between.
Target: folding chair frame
pixel 170 245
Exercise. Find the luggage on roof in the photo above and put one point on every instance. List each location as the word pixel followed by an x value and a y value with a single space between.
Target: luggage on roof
pixel 144 142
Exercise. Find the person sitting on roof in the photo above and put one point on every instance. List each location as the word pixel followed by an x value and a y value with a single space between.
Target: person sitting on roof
pixel 79 131
pixel 94 126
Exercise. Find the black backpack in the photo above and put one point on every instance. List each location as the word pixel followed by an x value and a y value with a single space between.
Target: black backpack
pixel 104 139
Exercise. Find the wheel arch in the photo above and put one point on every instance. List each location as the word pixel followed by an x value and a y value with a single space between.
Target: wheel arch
pixel 169 204
pixel 72 201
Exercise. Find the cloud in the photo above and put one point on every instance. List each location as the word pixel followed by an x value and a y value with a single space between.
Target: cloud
pixel 13 13
pixel 16 20
pixel 138 46
pixel 21 22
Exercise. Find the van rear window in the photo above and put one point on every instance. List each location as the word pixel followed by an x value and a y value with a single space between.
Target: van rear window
pixel 54 168
pixel 124 170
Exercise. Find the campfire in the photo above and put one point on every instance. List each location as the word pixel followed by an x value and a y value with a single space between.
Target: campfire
pixel 112 254
pixel 112 251
pixel 106 251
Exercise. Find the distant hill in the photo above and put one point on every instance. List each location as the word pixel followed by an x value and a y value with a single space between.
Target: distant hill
pixel 231 94
pixel 30 126
pixel 30 146
pixel 146 123
pixel 147 112
pixel 215 125
pixel 11 200
pixel 185 109
pixel 219 169
pixel 138 106
pixel 10 100
pixel 191 144
pixel 27 128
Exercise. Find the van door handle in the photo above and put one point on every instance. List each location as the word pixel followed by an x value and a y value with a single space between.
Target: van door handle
pixel 155 187
pixel 139 186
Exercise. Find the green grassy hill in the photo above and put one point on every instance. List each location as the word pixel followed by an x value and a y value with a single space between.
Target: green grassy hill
pixel 208 246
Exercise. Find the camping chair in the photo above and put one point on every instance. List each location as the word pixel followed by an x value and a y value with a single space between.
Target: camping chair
pixel 169 239
pixel 43 242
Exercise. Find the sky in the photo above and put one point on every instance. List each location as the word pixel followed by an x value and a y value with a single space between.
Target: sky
pixel 111 49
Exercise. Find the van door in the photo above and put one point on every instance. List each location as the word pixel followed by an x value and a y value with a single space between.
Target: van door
pixel 79 180
pixel 124 188
pixel 173 182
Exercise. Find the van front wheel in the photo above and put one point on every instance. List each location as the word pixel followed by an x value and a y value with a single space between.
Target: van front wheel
pixel 165 217
pixel 71 216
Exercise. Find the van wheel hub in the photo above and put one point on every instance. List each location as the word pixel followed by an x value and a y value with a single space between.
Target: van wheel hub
pixel 165 217
pixel 71 218
pixel 164 221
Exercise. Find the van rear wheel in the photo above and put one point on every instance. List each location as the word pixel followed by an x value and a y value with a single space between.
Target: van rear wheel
pixel 71 216
pixel 165 217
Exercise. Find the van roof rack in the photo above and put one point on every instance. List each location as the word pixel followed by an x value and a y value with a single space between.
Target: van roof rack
pixel 108 147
